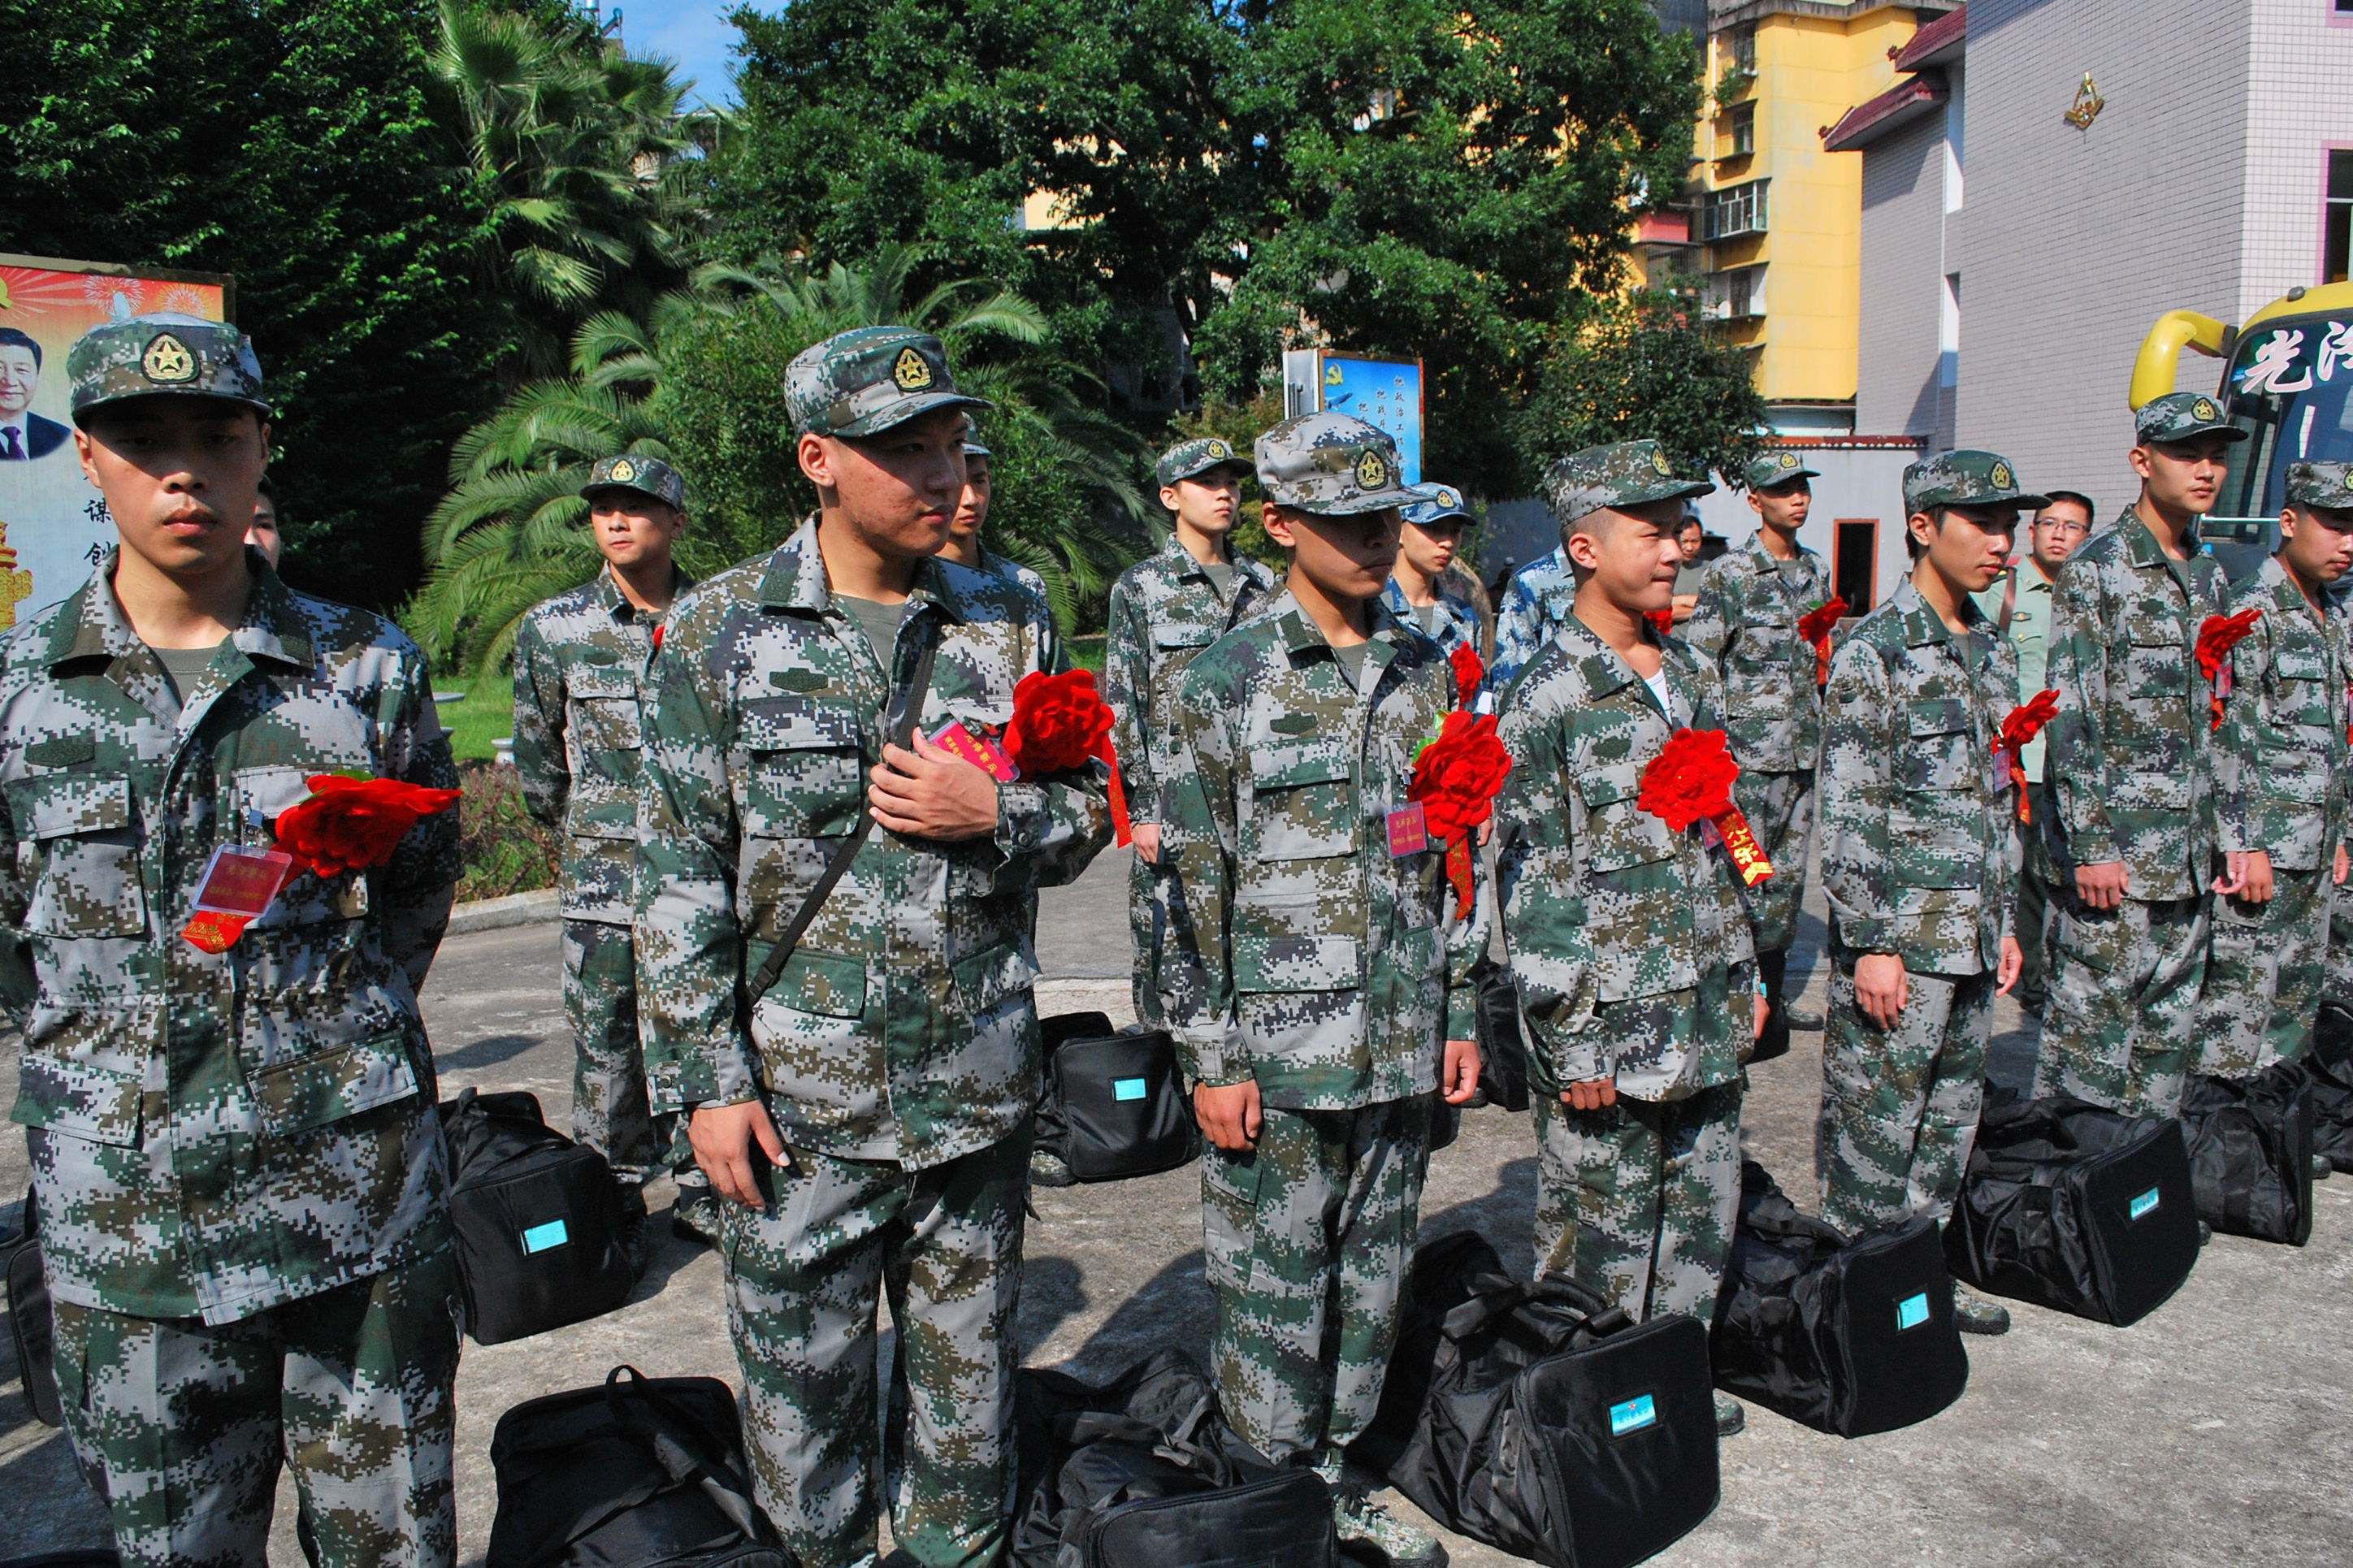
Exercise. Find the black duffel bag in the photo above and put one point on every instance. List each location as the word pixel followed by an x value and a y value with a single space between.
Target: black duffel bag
pixel 635 1473
pixel 2251 1152
pixel 2330 1064
pixel 1502 1037
pixel 537 1218
pixel 1852 1336
pixel 1142 1473
pixel 1113 1103
pixel 2075 1207
pixel 28 1317
pixel 1541 1419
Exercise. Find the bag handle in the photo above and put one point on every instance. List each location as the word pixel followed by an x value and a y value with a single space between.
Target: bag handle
pixel 728 1492
pixel 902 734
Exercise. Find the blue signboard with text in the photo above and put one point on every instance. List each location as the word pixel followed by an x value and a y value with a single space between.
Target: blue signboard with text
pixel 1383 391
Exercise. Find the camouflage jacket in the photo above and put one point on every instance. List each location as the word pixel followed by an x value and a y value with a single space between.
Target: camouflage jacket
pixel 214 1134
pixel 1745 623
pixel 1535 606
pixel 1316 963
pixel 903 1027
pixel 2129 757
pixel 1458 622
pixel 2281 761
pixel 1614 922
pixel 1920 850
pixel 579 682
pixel 1164 611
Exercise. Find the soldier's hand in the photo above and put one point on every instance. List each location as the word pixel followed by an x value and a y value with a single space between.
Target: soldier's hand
pixel 2247 874
pixel 1147 841
pixel 932 793
pixel 1459 1078
pixel 1486 831
pixel 2100 887
pixel 2012 964
pixel 722 1136
pixel 1230 1116
pixel 1759 1010
pixel 2343 865
pixel 1592 1094
pixel 1881 988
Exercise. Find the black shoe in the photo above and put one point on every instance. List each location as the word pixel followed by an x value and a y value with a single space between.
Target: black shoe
pixel 2205 1233
pixel 695 1216
pixel 1048 1169
pixel 1804 1019
pixel 1731 1416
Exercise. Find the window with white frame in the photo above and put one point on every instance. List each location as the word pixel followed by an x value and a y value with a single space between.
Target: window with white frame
pixel 1734 211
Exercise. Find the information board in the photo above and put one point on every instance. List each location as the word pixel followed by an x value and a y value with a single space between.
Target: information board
pixel 1383 391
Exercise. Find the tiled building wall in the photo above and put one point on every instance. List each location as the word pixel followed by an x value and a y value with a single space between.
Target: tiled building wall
pixel 2073 241
pixel 2300 60
pixel 1897 391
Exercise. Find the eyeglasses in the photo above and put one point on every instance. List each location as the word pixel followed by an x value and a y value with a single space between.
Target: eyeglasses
pixel 2061 525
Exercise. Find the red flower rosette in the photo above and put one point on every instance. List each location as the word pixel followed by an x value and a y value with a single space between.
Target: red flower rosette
pixel 1664 620
pixel 354 825
pixel 1456 779
pixel 2217 636
pixel 1061 723
pixel 1691 781
pixel 1470 674
pixel 1815 626
pixel 2023 724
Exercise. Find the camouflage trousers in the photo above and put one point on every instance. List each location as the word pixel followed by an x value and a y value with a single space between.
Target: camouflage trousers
pixel 2120 1027
pixel 805 1279
pixel 2336 980
pixel 1152 900
pixel 1780 809
pixel 2035 922
pixel 1307 1238
pixel 611 1112
pixel 2266 966
pixel 1638 1199
pixel 1900 1106
pixel 180 1428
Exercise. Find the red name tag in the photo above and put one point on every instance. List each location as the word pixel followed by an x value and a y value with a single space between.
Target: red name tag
pixel 979 750
pixel 239 882
pixel 1409 830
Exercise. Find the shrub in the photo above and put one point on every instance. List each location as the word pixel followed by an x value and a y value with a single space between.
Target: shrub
pixel 501 850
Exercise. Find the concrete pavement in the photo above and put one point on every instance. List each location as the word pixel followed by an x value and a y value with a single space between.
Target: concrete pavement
pixel 2216 1430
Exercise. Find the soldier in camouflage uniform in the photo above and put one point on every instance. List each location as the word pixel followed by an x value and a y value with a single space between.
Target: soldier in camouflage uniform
pixel 1164 610
pixel 2131 757
pixel 1919 861
pixel 867 1115
pixel 1434 605
pixel 236 1160
pixel 1327 987
pixel 964 546
pixel 580 662
pixel 1629 941
pixel 1535 606
pixel 1745 623
pixel 2280 781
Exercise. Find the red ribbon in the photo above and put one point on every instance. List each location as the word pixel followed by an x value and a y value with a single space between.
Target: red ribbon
pixel 1456 779
pixel 2023 723
pixel 1691 781
pixel 2217 636
pixel 1815 626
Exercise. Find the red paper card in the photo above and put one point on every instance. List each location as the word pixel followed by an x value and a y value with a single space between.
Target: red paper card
pixel 1409 830
pixel 979 750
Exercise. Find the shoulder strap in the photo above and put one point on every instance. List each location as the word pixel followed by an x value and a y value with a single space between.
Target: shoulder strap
pixel 901 734
pixel 2008 603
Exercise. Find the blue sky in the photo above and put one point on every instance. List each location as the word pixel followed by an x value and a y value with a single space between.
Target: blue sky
pixel 695 33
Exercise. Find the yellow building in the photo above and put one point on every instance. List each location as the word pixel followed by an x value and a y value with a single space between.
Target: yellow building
pixel 1779 221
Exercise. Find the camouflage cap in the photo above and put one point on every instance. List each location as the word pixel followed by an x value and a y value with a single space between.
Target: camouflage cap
pixel 646 476
pixel 2328 486
pixel 1332 464
pixel 1626 473
pixel 1444 501
pixel 1965 478
pixel 864 381
pixel 973 448
pixel 165 354
pixel 1191 459
pixel 1769 470
pixel 2179 415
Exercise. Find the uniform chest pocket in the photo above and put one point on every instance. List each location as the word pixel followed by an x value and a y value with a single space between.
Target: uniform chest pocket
pixel 1939 746
pixel 1304 802
pixel 600 713
pixel 1183 636
pixel 802 768
pixel 2156 653
pixel 2303 695
pixel 1620 837
pixel 85 851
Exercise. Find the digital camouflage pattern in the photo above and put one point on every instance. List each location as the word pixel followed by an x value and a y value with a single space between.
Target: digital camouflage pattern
pixel 1966 476
pixel 864 381
pixel 1164 610
pixel 1535 605
pixel 2179 415
pixel 611 1104
pixel 1458 622
pixel 1444 501
pixel 802 1280
pixel 1629 941
pixel 1920 857
pixel 1313 961
pixel 213 1135
pixel 1191 459
pixel 1334 465
pixel 162 354
pixel 1622 474
pixel 181 1429
pixel 2328 486
pixel 649 476
pixel 1771 470
pixel 1638 1199
pixel 2280 786
pixel 2130 759
pixel 1307 1307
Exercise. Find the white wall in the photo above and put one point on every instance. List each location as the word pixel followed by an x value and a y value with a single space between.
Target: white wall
pixel 1897 390
pixel 2298 106
pixel 1856 482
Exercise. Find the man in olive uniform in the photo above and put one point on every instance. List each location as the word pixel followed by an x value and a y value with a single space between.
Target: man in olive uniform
pixel 861 1056
pixel 1629 939
pixel 2281 767
pixel 1328 991
pixel 1745 623
pixel 1164 610
pixel 236 1160
pixel 580 665
pixel 1919 860
pixel 2131 758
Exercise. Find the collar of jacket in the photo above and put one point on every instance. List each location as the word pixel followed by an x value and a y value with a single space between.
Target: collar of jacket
pixel 795 579
pixel 616 604
pixel 2287 595
pixel 2142 547
pixel 1299 633
pixel 1601 668
pixel 1181 559
pixel 94 626
pixel 1394 601
pixel 1762 562
pixel 1922 626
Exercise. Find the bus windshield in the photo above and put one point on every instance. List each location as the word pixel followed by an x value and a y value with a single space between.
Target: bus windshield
pixel 2291 387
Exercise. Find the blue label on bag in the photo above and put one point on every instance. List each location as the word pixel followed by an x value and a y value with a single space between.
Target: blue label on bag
pixel 1912 1311
pixel 542 1238
pixel 1632 1415
pixel 2145 1205
pixel 1127 1088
